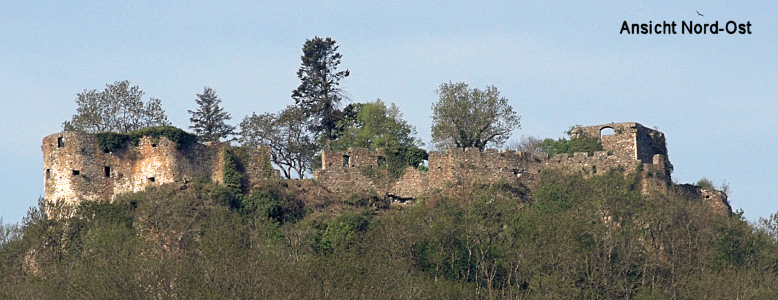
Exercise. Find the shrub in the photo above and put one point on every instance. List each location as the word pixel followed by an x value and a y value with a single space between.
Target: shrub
pixel 110 141
pixel 232 169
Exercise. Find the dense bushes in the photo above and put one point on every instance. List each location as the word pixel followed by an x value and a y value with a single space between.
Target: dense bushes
pixel 110 141
pixel 572 237
pixel 562 145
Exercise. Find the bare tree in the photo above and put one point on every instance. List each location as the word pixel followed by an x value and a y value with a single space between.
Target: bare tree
pixel 292 147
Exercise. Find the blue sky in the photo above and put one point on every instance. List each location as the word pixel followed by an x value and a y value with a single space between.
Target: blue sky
pixel 560 64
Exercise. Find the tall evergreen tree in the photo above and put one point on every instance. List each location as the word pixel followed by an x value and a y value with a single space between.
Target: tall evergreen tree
pixel 318 94
pixel 209 120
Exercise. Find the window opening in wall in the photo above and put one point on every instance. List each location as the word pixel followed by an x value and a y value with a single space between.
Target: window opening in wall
pixel 606 131
pixel 594 169
pixel 76 172
pixel 151 179
pixel 60 142
pixel 48 173
pixel 107 171
pixel 346 161
pixel 154 145
pixel 381 162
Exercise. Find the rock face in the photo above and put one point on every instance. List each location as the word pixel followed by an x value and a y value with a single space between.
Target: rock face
pixel 76 168
pixel 629 146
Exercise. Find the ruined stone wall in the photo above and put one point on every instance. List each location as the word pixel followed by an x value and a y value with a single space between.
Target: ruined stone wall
pixel 76 168
pixel 346 170
pixel 629 140
pixel 632 148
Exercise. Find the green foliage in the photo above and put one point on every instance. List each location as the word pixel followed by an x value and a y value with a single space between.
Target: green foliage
pixel 273 203
pixel 111 141
pixel 209 121
pixel 118 108
pixel 580 144
pixel 585 144
pixel 338 233
pixel 554 147
pixel 318 94
pixel 398 158
pixel 465 117
pixel 233 169
pixel 705 183
pixel 374 125
pixel 571 237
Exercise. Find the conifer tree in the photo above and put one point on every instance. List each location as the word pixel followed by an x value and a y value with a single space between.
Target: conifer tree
pixel 318 94
pixel 209 120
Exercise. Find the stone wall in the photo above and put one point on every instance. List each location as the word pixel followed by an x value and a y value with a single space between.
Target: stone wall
pixel 346 170
pixel 76 168
pixel 632 148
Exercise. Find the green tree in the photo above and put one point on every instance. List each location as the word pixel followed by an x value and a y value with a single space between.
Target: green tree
pixel 318 94
pixel 292 147
pixel 209 120
pixel 374 125
pixel 118 108
pixel 465 117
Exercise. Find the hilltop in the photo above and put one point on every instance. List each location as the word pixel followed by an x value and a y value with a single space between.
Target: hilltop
pixel 475 224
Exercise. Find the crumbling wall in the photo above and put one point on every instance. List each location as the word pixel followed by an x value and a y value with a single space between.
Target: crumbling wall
pixel 76 168
pixel 345 170
pixel 632 148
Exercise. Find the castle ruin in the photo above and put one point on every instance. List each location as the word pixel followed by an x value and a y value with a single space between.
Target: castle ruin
pixel 76 167
pixel 631 147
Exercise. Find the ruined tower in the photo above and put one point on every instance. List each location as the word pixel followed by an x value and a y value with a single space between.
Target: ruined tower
pixel 76 167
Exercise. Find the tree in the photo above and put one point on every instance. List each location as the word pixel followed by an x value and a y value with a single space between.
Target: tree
pixel 318 94
pixel 208 121
pixel 118 108
pixel 528 144
pixel 291 146
pixel 465 117
pixel 374 125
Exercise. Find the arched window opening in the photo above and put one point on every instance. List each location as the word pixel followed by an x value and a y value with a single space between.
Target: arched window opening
pixel 606 131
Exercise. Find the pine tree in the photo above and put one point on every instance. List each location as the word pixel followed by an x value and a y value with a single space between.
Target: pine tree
pixel 318 94
pixel 209 120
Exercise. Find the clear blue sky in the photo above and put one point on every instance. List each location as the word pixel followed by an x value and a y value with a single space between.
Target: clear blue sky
pixel 560 64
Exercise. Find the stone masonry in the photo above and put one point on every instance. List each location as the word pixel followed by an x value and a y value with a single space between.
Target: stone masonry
pixel 75 167
pixel 631 147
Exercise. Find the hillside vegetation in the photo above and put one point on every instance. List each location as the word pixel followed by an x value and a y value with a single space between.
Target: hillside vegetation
pixel 570 238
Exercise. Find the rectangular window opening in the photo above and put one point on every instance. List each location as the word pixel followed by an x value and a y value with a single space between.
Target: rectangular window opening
pixel 60 142
pixel 76 172
pixel 346 161
pixel 48 173
pixel 107 171
pixel 151 179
